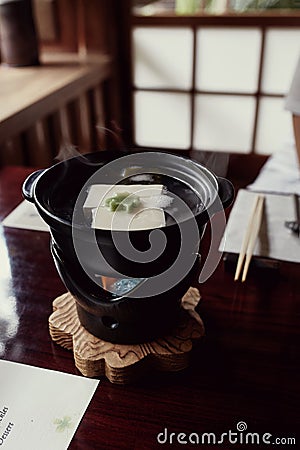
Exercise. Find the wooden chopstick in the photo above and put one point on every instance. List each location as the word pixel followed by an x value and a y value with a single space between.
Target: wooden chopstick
pixel 245 240
pixel 250 237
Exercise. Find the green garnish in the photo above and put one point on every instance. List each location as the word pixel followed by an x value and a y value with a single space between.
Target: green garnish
pixel 123 201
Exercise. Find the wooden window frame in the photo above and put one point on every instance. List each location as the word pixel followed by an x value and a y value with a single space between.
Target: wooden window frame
pixel 262 21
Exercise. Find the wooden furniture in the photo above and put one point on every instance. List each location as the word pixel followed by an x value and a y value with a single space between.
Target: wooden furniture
pixel 79 121
pixel 58 107
pixel 73 101
pixel 246 368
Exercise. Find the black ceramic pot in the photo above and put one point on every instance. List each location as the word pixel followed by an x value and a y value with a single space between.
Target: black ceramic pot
pixel 148 310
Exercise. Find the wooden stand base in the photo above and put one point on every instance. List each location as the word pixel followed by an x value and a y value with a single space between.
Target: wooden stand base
pixel 125 363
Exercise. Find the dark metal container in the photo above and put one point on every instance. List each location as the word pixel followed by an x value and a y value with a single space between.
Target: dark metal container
pixel 152 307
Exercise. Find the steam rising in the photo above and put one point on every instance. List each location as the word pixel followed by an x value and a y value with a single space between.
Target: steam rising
pixel 69 150
pixel 66 151
pixel 214 161
pixel 115 132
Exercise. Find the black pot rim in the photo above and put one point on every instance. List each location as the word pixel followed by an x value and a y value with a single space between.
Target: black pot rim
pixel 46 213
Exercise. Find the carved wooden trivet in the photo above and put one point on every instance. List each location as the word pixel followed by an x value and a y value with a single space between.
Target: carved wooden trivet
pixel 124 363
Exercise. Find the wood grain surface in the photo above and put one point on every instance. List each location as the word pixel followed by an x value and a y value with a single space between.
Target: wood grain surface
pixel 246 368
pixel 125 363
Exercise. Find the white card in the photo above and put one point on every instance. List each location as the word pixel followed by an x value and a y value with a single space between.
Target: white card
pixel 40 409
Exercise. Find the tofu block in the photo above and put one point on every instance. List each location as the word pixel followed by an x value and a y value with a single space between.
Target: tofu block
pixel 98 193
pixel 142 219
pixel 146 216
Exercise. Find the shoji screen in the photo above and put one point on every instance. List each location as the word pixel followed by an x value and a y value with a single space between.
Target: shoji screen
pixel 214 88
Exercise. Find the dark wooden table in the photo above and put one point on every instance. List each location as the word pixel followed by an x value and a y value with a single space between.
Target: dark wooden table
pixel 246 368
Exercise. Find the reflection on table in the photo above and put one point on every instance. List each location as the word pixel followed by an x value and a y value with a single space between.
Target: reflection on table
pixel 246 369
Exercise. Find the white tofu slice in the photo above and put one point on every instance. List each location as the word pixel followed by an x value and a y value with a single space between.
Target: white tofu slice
pixel 141 219
pixel 99 192
pixel 146 217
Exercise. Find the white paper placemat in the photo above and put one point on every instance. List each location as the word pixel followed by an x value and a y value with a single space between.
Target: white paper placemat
pixel 275 240
pixel 40 409
pixel 25 216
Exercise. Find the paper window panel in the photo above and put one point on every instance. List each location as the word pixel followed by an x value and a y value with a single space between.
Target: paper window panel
pixel 162 119
pixel 274 127
pixel 282 49
pixel 163 57
pixel 224 123
pixel 227 60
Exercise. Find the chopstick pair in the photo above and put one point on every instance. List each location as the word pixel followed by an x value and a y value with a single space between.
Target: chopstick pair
pixel 250 237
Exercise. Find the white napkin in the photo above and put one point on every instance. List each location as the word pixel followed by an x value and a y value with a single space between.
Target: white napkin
pixel 274 240
pixel 25 216
pixel 280 174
